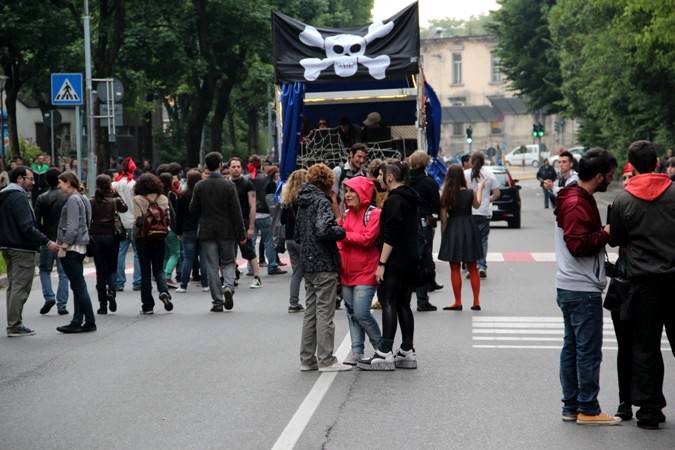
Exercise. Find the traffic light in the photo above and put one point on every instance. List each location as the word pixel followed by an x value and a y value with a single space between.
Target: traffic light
pixel 469 135
pixel 537 130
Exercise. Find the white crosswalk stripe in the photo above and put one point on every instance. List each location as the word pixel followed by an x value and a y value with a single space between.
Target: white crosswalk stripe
pixel 532 333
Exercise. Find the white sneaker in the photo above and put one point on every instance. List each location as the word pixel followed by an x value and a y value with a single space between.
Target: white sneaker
pixel 257 283
pixel 335 367
pixel 352 358
pixel 181 290
pixel 405 359
pixel 379 361
pixel 206 289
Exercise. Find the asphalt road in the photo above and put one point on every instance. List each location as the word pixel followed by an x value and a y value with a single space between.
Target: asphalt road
pixel 191 379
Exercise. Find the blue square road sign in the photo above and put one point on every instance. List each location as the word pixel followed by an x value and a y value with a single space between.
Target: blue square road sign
pixel 67 89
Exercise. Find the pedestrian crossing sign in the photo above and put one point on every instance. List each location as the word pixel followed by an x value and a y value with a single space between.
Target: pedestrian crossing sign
pixel 67 89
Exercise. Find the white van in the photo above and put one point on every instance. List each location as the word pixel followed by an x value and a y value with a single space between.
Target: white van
pixel 528 153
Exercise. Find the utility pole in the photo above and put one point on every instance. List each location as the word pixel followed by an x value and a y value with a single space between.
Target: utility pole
pixel 91 162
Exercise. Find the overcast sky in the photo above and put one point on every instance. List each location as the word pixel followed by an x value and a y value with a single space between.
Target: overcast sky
pixel 435 9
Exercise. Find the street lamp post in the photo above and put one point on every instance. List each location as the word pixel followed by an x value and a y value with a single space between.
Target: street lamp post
pixel 3 82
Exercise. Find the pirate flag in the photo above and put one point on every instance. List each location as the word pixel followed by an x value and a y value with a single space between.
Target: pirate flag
pixel 383 50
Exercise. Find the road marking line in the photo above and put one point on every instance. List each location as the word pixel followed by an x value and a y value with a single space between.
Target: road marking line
pixel 535 339
pixel 544 257
pixel 291 434
pixel 607 326
pixel 517 319
pixel 495 257
pixel 501 331
pixel 544 347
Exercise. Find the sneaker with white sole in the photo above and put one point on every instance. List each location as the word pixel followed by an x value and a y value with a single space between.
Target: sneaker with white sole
pixel 405 359
pixel 308 368
pixel 206 289
pixel 257 283
pixel 598 419
pixel 20 331
pixel 352 358
pixel 335 367
pixel 379 361
pixel 181 290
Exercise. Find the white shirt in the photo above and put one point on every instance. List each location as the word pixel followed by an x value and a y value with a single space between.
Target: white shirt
pixel 490 185
pixel 125 189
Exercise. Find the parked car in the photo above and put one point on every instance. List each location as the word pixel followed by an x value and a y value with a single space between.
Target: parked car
pixel 577 152
pixel 507 206
pixel 530 154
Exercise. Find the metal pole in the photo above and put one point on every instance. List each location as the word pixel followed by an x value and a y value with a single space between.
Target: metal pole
pixel 91 163
pixel 78 140
pixel 51 128
pixel 270 145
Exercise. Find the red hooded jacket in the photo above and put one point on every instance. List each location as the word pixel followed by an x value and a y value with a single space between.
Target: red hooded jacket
pixel 359 252
pixel 577 214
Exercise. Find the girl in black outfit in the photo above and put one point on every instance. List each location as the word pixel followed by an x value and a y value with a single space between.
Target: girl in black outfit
pixel 106 232
pixel 396 271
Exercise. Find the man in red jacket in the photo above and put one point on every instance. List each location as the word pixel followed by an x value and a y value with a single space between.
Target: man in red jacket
pixel 580 242
pixel 642 221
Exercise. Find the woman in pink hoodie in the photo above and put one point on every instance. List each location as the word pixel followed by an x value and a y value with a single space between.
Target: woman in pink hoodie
pixel 359 254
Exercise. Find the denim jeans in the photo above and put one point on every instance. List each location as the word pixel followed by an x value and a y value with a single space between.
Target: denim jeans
pixel 47 260
pixel 361 321
pixel 264 227
pixel 191 251
pixel 581 353
pixel 72 265
pixel 121 262
pixel 548 197
pixel 484 231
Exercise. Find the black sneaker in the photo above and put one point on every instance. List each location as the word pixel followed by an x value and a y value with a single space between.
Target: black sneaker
pixel 624 411
pixel 119 288
pixel 217 307
pixel 229 299
pixel 70 328
pixel 276 271
pixel 434 286
pixel 648 424
pixel 165 298
pixel 379 361
pixel 49 304
pixel 136 288
pixel 426 307
pixel 20 331
pixel 296 308
pixel 103 308
pixel 482 273
pixel 88 327
pixel 112 302
pixel 63 312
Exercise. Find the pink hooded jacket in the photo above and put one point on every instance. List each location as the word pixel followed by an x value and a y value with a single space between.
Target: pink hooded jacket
pixel 359 252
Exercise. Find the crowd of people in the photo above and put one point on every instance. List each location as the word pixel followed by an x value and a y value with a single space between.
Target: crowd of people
pixel 360 234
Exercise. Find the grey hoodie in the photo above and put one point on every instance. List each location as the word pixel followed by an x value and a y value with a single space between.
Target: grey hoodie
pixel 75 220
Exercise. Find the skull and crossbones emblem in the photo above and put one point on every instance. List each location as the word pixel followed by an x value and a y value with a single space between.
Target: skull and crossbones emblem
pixel 345 52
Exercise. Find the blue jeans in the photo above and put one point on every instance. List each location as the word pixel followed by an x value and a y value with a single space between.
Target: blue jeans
pixel 72 265
pixel 264 227
pixel 361 321
pixel 484 231
pixel 47 259
pixel 581 353
pixel 191 251
pixel 121 262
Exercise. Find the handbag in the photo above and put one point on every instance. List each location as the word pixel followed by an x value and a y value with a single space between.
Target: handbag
pixel 119 231
pixel 620 291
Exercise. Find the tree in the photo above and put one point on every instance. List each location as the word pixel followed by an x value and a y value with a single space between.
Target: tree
pixel 29 49
pixel 527 56
pixel 449 26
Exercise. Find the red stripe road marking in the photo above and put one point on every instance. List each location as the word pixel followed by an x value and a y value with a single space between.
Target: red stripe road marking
pixel 518 257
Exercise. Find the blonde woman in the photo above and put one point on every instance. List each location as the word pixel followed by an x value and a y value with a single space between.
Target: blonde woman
pixel 289 212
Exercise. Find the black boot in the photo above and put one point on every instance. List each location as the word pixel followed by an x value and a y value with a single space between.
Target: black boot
pixel 112 303
pixel 103 308
pixel 625 412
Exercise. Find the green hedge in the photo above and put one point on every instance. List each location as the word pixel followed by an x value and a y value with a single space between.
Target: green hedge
pixel 3 267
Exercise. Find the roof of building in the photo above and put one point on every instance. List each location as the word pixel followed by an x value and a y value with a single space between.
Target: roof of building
pixel 485 113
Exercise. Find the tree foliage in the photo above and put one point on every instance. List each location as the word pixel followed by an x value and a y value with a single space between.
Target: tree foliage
pixel 449 26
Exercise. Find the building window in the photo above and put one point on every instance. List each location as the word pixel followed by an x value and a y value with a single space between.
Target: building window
pixel 495 68
pixel 457 101
pixel 457 129
pixel 496 127
pixel 456 68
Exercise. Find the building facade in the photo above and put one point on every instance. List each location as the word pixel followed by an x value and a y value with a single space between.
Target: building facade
pixel 465 73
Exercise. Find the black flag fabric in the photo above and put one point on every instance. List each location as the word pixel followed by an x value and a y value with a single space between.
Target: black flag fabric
pixel 382 50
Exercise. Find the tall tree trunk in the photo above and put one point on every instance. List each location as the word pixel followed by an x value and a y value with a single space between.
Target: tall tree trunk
pixel 232 129
pixel 11 93
pixel 253 140
pixel 201 106
pixel 219 112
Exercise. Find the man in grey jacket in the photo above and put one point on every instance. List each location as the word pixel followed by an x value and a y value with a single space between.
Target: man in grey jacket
pixel 20 240
pixel 221 225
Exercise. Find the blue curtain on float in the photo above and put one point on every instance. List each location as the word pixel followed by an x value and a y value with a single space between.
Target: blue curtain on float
pixel 292 100
pixel 436 169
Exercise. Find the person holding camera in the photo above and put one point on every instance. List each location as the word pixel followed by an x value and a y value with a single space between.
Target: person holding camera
pixel 580 241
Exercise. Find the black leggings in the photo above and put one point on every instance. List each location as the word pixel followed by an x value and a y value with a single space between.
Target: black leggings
pixel 394 294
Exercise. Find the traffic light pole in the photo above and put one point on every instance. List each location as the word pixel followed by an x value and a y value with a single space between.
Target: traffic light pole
pixel 91 161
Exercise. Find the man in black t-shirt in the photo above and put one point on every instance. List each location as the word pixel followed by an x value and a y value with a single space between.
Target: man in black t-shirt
pixel 247 200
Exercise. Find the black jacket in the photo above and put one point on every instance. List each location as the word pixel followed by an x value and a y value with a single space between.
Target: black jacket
pixel 427 189
pixel 103 213
pixel 642 220
pixel 263 185
pixel 184 220
pixel 48 208
pixel 317 231
pixel 398 228
pixel 546 173
pixel 18 228
pixel 288 215
pixel 216 205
